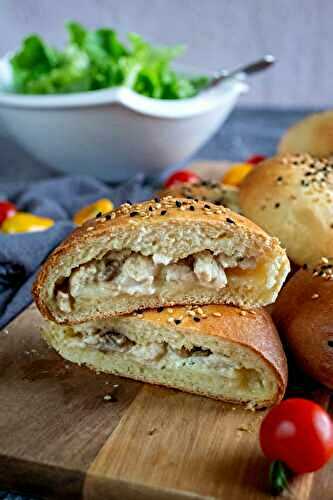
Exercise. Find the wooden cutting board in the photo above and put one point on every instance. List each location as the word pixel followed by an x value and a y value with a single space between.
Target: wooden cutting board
pixel 61 438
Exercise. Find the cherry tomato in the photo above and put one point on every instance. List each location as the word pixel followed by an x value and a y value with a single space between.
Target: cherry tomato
pixel 180 177
pixel 7 209
pixel 299 433
pixel 254 159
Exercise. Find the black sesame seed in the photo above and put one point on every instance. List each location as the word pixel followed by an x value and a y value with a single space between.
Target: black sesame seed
pixel 163 212
pixel 150 208
pixel 195 318
pixel 98 215
pixel 178 321
pixel 330 343
pixel 192 208
pixel 230 221
pixel 178 204
pixel 157 199
pixel 218 202
pixel 159 309
pixel 305 266
pixel 206 205
pixel 276 205
pixel 133 214
pixel 108 216
pixel 129 202
pixel 280 178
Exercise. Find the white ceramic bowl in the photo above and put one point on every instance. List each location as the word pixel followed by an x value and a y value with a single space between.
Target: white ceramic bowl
pixel 116 132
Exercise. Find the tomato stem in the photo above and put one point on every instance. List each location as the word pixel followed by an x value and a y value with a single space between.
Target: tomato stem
pixel 278 477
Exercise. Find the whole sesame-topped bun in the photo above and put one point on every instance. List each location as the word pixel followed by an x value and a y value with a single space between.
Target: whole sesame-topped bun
pixel 160 252
pixel 217 351
pixel 213 191
pixel 304 316
pixel 291 197
pixel 313 135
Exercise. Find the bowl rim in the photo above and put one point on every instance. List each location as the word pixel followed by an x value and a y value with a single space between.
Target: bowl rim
pixel 205 101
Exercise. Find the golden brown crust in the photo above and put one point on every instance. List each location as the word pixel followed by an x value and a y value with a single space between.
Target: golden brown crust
pixel 170 210
pixel 212 191
pixel 313 135
pixel 304 316
pixel 291 197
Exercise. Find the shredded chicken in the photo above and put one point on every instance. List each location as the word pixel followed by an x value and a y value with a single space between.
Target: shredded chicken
pixel 208 271
pixel 135 274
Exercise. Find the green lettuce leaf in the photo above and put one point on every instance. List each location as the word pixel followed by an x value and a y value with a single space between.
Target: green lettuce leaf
pixel 97 59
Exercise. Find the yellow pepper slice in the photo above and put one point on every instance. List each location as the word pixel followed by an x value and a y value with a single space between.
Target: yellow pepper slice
pixel 23 222
pixel 100 206
pixel 237 173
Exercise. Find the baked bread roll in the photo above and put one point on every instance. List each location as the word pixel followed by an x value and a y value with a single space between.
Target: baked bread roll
pixel 215 192
pixel 313 135
pixel 216 351
pixel 291 197
pixel 304 316
pixel 157 253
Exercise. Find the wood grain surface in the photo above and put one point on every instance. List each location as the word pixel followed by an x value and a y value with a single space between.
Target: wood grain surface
pixel 60 438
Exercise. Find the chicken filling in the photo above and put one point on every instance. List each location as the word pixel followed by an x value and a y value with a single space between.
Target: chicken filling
pixel 162 355
pixel 135 274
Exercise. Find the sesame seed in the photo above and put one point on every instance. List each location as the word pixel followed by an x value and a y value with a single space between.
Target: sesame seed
pixel 230 221
pixel 90 228
pixel 150 208
pixel 159 309
pixel 171 319
pixel 163 212
pixel 242 313
pixel 315 296
pixel 178 204
pixel 170 310
pixel 192 208
pixel 108 217
pixel 157 199
pixel 196 319
pixel 330 343
pixel 199 310
pixel 98 215
pixel 217 314
pixel 134 213
pixel 276 205
pixel 191 313
pixel 324 260
pixel 206 205
pixel 178 321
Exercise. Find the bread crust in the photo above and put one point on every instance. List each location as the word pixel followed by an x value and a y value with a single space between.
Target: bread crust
pixel 304 317
pixel 291 197
pixel 313 135
pixel 164 210
pixel 212 191
pixel 252 329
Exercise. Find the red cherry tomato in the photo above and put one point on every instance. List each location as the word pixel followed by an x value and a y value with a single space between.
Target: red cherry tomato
pixel 299 433
pixel 7 209
pixel 255 159
pixel 180 177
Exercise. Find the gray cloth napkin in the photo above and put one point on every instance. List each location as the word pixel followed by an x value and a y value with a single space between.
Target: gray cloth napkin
pixel 59 198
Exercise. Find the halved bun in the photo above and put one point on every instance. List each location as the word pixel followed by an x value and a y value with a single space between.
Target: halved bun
pixel 291 197
pixel 216 351
pixel 313 135
pixel 160 253
pixel 213 191
pixel 304 316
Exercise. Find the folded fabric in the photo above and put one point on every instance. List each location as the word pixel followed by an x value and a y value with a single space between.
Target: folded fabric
pixel 58 198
